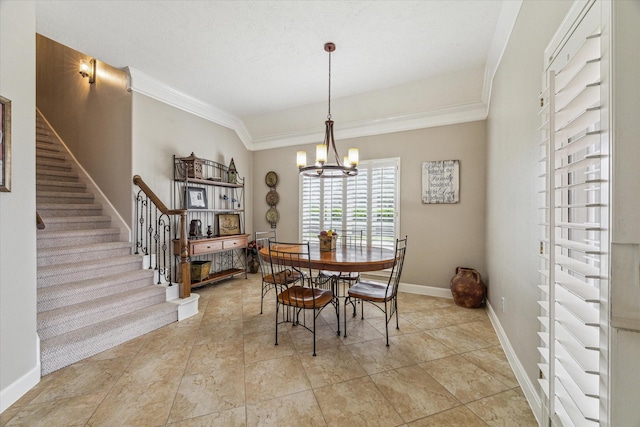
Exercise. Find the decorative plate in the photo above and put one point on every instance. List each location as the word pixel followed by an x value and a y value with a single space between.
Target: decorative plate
pixel 273 216
pixel 271 179
pixel 272 198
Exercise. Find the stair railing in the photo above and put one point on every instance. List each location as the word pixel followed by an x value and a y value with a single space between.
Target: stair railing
pixel 153 236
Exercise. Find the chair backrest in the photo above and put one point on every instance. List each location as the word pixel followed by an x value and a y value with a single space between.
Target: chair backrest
pixel 262 239
pixel 351 239
pixel 396 270
pixel 290 260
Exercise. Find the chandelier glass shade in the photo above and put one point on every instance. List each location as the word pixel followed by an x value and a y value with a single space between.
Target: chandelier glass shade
pixel 322 168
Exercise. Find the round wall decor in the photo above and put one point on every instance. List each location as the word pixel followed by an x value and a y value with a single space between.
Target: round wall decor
pixel 272 198
pixel 273 216
pixel 271 179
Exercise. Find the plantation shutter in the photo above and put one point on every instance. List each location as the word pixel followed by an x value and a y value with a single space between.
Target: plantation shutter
pixel 367 202
pixel 574 231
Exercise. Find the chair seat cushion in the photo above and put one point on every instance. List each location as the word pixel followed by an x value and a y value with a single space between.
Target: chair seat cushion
pixel 283 277
pixel 304 297
pixel 371 291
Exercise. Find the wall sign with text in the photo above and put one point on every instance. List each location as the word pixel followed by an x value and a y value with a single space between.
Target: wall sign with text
pixel 441 181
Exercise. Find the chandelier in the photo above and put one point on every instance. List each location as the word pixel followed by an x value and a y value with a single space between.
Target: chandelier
pixel 323 169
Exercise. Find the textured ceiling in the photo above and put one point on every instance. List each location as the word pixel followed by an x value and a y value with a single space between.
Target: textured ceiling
pixel 253 58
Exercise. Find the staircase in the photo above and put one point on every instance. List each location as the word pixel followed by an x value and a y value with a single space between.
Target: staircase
pixel 93 294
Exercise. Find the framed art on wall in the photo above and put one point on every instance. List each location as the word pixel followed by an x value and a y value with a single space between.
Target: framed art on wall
pixel 441 181
pixel 5 144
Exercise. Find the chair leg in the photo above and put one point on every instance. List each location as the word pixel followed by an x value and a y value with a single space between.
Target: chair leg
pixel 337 306
pixel 386 322
pixel 314 333
pixel 347 299
pixel 277 309
pixel 396 305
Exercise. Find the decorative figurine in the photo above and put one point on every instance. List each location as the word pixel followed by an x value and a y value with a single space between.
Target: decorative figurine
pixel 233 173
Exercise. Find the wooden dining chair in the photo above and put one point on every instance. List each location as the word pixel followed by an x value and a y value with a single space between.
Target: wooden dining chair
pixel 384 296
pixel 293 260
pixel 262 240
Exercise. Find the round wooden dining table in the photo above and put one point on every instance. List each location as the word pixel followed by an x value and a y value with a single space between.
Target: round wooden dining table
pixel 345 259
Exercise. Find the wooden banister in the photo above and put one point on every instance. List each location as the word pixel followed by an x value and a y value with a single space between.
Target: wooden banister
pixel 184 279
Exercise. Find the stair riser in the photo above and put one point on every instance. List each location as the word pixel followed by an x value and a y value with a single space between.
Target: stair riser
pixel 55 256
pixel 43 175
pixel 50 155
pixel 46 147
pixel 82 199
pixel 76 240
pixel 63 226
pixel 105 314
pixel 93 291
pixel 47 212
pixel 59 357
pixel 62 186
pixel 87 274
pixel 55 166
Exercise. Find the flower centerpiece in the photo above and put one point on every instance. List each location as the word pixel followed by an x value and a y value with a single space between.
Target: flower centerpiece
pixel 327 240
pixel 252 253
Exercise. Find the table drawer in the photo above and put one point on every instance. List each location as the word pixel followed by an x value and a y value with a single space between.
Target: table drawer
pixel 235 243
pixel 205 247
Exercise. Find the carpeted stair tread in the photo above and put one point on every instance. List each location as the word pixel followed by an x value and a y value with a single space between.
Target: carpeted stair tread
pixel 61 176
pixel 48 239
pixel 63 350
pixel 73 267
pixel 94 247
pixel 56 296
pixel 63 196
pixel 56 209
pixel 60 223
pixel 53 166
pixel 68 185
pixel 64 319
pixel 50 155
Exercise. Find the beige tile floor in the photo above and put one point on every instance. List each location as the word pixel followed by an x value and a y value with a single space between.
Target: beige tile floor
pixel 445 367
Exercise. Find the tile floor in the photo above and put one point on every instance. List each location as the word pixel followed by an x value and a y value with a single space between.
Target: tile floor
pixel 445 367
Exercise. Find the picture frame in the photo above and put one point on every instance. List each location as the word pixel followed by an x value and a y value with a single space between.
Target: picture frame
pixel 5 144
pixel 441 181
pixel 228 224
pixel 196 198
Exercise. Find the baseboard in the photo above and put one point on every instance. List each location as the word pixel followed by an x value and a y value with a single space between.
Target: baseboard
pixel 11 394
pixel 431 291
pixel 528 388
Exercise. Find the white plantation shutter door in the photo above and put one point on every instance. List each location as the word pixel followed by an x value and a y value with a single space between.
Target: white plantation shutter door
pixel 574 231
pixel 368 202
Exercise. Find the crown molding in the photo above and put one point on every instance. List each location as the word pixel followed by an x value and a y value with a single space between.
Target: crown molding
pixel 504 28
pixel 442 117
pixel 142 83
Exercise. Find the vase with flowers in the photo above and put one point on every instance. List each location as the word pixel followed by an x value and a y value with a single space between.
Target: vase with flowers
pixel 252 256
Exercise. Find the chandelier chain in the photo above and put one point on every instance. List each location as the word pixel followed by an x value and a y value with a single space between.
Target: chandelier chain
pixel 329 114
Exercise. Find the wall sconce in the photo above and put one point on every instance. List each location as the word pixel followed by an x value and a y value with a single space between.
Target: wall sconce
pixel 88 69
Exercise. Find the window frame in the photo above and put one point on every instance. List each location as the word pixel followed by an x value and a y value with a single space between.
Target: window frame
pixel 367 168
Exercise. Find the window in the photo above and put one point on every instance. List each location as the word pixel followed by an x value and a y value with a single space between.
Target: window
pixel 368 202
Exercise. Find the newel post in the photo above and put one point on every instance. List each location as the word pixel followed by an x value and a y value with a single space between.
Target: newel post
pixel 185 266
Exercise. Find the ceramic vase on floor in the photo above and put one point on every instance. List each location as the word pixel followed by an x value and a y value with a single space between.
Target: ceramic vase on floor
pixel 253 265
pixel 467 288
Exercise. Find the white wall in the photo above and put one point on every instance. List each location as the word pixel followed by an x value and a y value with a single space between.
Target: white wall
pixel 512 169
pixel 19 359
pixel 441 237
pixel 160 131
